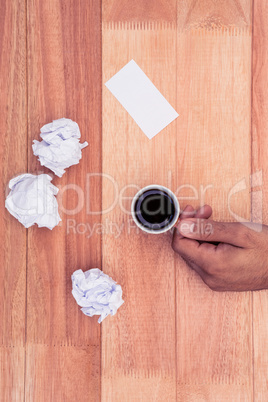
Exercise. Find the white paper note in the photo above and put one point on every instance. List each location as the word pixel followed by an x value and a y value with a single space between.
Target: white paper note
pixel 142 100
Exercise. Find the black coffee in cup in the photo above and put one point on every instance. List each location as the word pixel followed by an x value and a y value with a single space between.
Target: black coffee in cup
pixel 154 209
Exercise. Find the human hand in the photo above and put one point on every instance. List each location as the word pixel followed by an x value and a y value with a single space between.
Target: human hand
pixel 227 256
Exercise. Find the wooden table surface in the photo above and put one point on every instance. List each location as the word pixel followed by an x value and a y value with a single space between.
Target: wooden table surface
pixel 174 338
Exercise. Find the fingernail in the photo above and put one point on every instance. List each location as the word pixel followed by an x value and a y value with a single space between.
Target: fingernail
pixel 186 227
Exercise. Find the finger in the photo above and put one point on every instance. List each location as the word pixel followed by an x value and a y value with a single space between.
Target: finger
pixel 211 231
pixel 204 212
pixel 197 255
pixel 188 212
pixel 175 238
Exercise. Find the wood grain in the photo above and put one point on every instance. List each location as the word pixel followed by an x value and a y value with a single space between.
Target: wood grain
pixel 13 155
pixel 14 161
pixel 64 67
pixel 211 14
pixel 213 68
pixel 260 186
pixel 12 373
pixel 214 345
pixel 139 11
pixel 138 344
pixel 69 373
pixel 173 339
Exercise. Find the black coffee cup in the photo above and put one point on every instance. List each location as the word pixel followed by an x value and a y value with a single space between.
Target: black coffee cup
pixel 155 209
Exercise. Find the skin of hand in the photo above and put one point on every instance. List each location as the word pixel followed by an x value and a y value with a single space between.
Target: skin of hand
pixel 227 256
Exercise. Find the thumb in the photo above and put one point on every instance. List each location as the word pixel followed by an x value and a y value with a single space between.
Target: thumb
pixel 210 231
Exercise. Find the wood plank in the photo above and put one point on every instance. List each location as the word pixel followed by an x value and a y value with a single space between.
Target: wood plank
pixel 12 373
pixel 139 11
pixel 65 369
pixel 214 345
pixel 138 344
pixel 64 68
pixel 260 186
pixel 13 155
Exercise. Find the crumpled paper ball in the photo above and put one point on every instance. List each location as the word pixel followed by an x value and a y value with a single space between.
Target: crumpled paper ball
pixel 60 147
pixel 96 293
pixel 32 200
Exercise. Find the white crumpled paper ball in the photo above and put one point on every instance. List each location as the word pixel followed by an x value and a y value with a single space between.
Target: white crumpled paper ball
pixel 96 293
pixel 32 200
pixel 60 147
